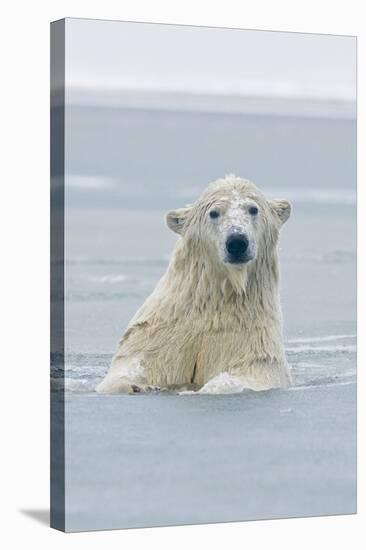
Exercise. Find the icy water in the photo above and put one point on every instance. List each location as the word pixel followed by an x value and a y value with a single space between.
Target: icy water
pixel 164 459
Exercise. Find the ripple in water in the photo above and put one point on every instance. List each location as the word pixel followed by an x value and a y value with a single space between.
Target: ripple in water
pixel 313 361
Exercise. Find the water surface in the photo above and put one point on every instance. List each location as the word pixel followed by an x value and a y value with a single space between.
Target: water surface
pixel 162 459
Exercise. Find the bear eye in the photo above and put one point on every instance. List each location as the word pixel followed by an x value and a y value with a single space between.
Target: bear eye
pixel 253 210
pixel 214 214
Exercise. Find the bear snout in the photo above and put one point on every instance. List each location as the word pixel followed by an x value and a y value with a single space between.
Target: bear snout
pixel 237 246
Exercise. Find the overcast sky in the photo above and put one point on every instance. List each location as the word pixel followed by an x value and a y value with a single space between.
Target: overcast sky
pixel 108 55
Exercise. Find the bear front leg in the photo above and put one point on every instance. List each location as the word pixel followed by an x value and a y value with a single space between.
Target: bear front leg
pixel 123 386
pixel 126 375
pixel 231 361
pixel 259 376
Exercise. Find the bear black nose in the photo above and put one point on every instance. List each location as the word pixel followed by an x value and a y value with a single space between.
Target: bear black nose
pixel 237 245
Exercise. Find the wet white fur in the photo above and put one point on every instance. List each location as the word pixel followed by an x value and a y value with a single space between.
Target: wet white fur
pixel 206 316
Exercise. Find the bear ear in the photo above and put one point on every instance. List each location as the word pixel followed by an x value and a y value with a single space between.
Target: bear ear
pixel 282 208
pixel 176 219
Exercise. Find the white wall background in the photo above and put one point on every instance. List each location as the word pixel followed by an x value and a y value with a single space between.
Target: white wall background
pixel 25 275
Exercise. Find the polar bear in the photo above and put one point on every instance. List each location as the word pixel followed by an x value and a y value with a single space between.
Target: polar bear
pixel 214 320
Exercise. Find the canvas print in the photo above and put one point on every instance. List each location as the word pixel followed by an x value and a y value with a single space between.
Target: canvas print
pixel 203 275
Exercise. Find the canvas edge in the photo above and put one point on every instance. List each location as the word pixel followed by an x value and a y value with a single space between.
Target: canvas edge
pixel 57 314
